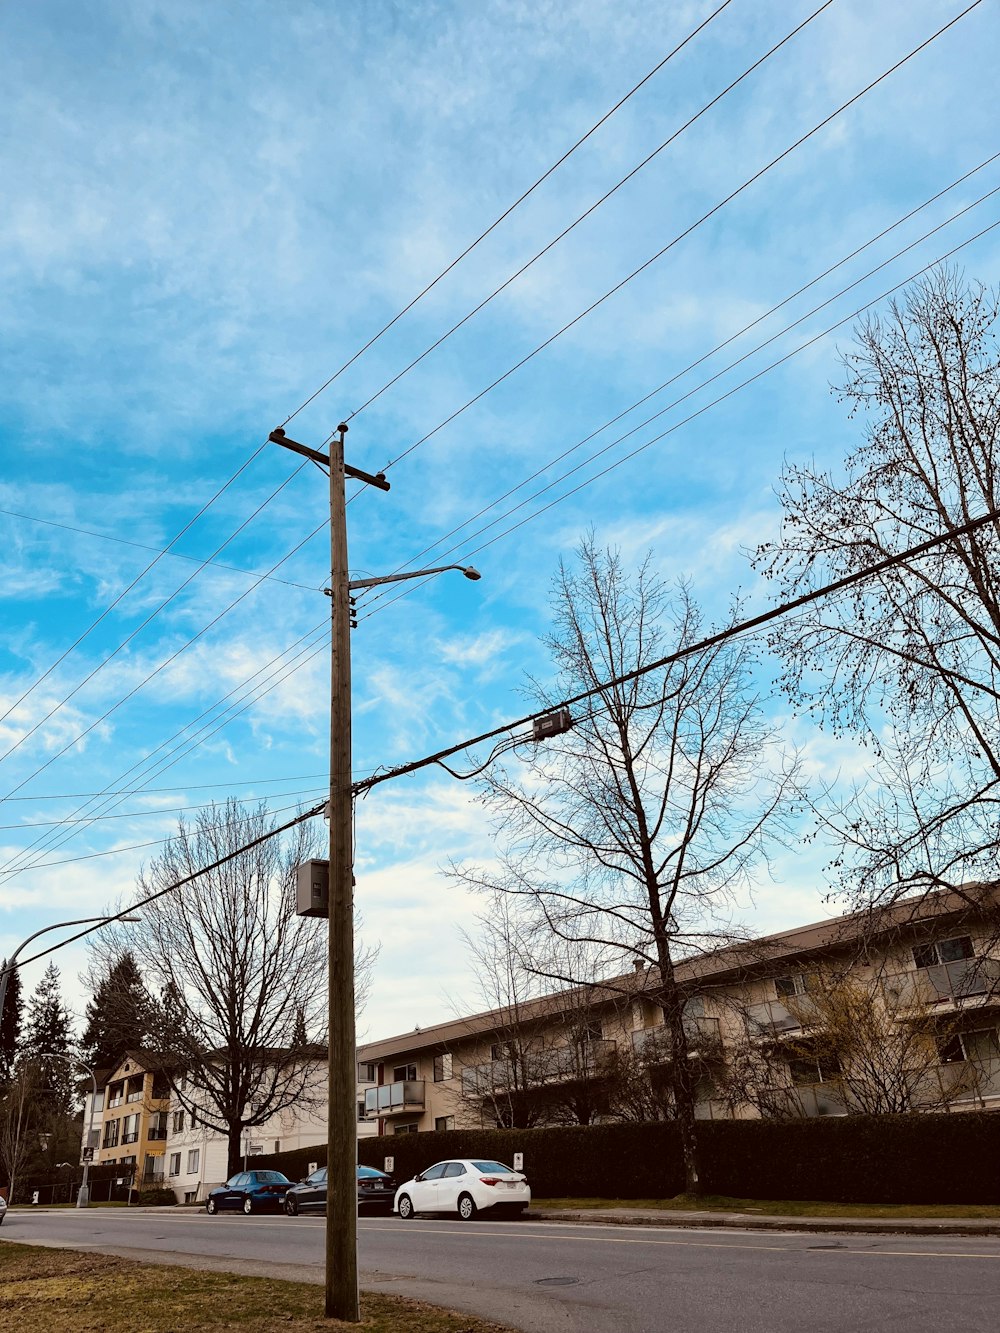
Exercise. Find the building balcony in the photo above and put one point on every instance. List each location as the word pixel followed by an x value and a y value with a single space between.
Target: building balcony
pixel 773 1018
pixel 392 1099
pixel 655 1046
pixel 946 984
pixel 534 1068
pixel 157 1132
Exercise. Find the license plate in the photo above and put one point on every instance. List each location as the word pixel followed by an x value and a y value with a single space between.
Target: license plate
pixel 511 1184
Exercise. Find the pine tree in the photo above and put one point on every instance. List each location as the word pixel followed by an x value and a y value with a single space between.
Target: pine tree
pixel 118 1015
pixel 10 1026
pixel 48 1042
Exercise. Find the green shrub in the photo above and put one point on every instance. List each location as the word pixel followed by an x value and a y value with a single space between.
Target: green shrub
pixel 155 1197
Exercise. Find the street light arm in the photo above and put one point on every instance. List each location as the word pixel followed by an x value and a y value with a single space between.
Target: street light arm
pixel 467 570
pixel 10 964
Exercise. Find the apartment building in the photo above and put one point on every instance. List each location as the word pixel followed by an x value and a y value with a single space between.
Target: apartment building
pixel 197 1155
pixel 917 989
pixel 126 1122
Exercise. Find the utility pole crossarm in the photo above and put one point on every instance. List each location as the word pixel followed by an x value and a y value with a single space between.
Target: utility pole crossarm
pixel 278 436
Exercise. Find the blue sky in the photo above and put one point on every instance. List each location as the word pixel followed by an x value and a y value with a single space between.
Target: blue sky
pixel 210 208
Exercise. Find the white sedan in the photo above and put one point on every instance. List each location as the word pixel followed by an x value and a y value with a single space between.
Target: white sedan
pixel 465 1186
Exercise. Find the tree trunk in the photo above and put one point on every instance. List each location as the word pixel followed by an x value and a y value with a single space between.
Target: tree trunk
pixel 682 1080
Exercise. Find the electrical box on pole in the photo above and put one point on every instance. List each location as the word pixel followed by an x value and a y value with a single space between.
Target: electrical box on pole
pixel 312 889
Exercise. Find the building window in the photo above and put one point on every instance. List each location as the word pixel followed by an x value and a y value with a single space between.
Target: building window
pixel 130 1128
pixel 111 1134
pixel 367 1072
pixel 175 1163
pixel 443 1123
pixel 158 1125
pixel 787 988
pixel 361 1111
pixel 404 1129
pixel 814 1069
pixel 115 1093
pixel 591 1032
pixel 178 1122
pixel 404 1074
pixel 442 1067
pixel 277 1145
pixel 194 1156
pixel 943 951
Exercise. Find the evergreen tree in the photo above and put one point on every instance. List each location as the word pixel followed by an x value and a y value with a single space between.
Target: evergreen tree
pixel 118 1015
pixel 48 1043
pixel 10 1026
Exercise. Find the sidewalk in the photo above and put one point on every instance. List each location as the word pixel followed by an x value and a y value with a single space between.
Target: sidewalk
pixel 652 1217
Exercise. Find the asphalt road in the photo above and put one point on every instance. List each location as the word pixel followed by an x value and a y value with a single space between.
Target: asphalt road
pixel 546 1276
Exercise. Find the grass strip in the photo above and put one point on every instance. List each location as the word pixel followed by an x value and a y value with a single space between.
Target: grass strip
pixel 720 1203
pixel 66 1291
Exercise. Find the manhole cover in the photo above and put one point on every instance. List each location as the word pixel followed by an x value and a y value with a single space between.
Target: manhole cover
pixel 556 1281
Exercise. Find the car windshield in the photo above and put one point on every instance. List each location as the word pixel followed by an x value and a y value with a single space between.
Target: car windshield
pixel 271 1178
pixel 492 1166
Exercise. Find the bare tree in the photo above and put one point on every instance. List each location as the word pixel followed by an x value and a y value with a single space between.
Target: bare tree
pixel 550 1061
pixel 910 660
pixel 19 1121
pixel 632 833
pixel 866 1043
pixel 239 980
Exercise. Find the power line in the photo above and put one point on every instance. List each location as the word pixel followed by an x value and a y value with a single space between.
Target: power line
pixel 170 888
pixel 189 786
pixel 157 813
pixel 516 204
pixel 131 847
pixel 702 645
pixel 138 630
pixel 588 212
pixel 700 411
pixel 705 217
pixel 165 663
pixel 143 546
pixel 428 550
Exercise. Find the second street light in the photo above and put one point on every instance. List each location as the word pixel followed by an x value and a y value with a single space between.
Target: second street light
pixel 341 1208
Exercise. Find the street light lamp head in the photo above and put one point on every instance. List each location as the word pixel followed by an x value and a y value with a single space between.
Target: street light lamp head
pixel 471 573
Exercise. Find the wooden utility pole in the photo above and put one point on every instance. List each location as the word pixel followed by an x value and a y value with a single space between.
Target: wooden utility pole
pixel 342 1082
pixel 342 1131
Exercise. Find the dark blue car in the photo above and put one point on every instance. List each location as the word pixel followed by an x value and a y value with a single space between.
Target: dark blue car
pixel 250 1192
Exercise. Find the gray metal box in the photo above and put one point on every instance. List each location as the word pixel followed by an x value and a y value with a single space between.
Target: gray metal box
pixel 312 888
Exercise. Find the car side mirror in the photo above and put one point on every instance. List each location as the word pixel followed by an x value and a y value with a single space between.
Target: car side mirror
pixel 419 1176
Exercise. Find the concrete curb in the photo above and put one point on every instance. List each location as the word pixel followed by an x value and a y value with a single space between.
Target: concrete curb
pixel 902 1226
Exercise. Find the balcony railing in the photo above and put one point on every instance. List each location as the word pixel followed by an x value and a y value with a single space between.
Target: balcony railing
pixel 394 1098
pixel 655 1046
pixel 966 978
pixel 532 1068
pixel 773 1017
pixel 157 1132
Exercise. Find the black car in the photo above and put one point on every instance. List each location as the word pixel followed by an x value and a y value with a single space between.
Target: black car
pixel 376 1191
pixel 250 1192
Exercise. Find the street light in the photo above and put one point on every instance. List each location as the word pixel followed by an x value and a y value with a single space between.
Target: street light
pixel 467 570
pixel 342 1146
pixel 11 963
pixel 83 1194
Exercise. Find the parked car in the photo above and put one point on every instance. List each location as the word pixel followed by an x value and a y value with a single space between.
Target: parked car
pixel 466 1186
pixel 250 1191
pixel 376 1191
pixel 3 1208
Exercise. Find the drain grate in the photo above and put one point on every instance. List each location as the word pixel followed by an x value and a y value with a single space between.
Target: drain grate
pixel 556 1281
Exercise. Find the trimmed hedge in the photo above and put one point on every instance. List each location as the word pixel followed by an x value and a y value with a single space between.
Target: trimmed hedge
pixel 852 1159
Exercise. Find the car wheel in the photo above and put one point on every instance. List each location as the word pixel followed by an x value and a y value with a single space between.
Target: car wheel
pixel 405 1208
pixel 467 1209
pixel 291 1207
pixel 211 1207
pixel 248 1205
